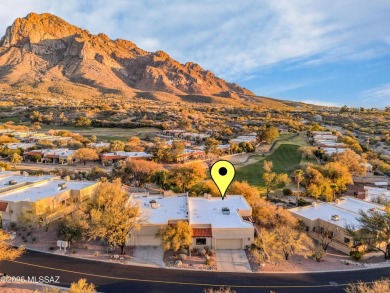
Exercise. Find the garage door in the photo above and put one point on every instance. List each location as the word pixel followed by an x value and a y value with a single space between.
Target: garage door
pixel 229 243
pixel 147 240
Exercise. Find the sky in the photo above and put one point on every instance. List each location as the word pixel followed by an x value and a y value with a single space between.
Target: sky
pixel 323 52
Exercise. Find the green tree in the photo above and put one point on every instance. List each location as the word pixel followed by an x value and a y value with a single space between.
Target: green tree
pixel 271 179
pixel 116 145
pixel 158 149
pixel 82 121
pixel 352 161
pixel 176 237
pixel 203 187
pixel 7 252
pixel 211 145
pixel 250 193
pixel 86 154
pixel 185 176
pixel 112 216
pixel 16 159
pixel 36 116
pixel 73 227
pixel 134 145
pixel 279 243
pixel 138 172
pixel 175 152
pixel 298 177
pixel 373 230
pixel 268 134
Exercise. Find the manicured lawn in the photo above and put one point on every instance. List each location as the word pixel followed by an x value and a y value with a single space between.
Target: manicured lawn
pixel 284 159
pixel 6 119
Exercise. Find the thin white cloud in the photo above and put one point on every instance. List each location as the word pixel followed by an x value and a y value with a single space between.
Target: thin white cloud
pixel 322 103
pixel 379 96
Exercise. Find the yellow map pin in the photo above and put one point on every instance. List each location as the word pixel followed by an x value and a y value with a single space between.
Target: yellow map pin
pixel 222 173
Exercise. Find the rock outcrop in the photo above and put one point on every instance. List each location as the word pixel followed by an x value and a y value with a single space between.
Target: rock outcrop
pixel 43 47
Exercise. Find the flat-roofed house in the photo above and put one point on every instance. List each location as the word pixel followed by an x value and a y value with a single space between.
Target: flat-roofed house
pixel 46 197
pixel 110 158
pixel 53 156
pixel 225 220
pixel 334 217
pixel 217 223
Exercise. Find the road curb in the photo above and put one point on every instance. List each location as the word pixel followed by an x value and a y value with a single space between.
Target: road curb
pixel 268 272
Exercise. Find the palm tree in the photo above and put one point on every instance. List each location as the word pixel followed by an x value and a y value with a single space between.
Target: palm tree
pixel 334 188
pixel 299 176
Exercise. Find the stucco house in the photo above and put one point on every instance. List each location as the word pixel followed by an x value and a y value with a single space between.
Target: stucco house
pixel 217 223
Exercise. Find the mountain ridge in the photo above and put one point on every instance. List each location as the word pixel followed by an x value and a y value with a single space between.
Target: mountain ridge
pixel 43 48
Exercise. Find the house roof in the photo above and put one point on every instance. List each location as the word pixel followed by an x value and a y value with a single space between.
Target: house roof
pixel 209 211
pixel 197 210
pixel 346 208
pixel 42 190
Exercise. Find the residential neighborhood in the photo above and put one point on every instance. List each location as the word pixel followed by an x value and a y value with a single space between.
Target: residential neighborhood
pixel 194 146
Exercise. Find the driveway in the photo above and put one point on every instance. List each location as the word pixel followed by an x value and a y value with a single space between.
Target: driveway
pixel 148 256
pixel 232 260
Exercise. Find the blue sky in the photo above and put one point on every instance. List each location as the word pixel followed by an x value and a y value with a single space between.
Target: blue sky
pixel 303 50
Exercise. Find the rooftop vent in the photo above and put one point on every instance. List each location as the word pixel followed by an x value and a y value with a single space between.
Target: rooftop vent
pixel 12 182
pixel 226 211
pixel 61 186
pixel 154 204
pixel 335 217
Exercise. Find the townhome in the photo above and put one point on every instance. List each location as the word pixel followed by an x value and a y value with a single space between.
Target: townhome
pixel 217 223
pixel 44 197
pixel 333 218
pixel 110 158
pixel 53 156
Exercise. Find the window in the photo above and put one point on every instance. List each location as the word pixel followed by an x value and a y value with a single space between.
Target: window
pixel 347 240
pixel 200 241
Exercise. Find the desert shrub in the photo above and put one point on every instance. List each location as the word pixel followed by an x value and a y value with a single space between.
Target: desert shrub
pixel 182 257
pixel 287 191
pixel 318 253
pixel 212 251
pixel 183 251
pixel 356 255
pixel 208 260
pixel 12 225
pixel 203 252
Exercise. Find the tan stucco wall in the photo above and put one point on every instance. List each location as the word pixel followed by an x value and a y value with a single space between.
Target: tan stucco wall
pixel 246 234
pixel 44 205
pixel 145 230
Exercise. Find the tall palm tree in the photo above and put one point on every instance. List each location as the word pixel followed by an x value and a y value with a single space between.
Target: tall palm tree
pixel 299 176
pixel 334 188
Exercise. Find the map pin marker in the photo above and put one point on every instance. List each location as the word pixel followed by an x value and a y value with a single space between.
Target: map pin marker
pixel 222 173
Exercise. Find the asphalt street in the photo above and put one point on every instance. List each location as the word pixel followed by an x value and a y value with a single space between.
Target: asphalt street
pixel 109 277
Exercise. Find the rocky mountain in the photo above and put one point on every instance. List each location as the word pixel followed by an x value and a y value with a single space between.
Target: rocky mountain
pixel 42 50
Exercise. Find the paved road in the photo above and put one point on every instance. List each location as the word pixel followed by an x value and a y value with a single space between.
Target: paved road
pixel 120 278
